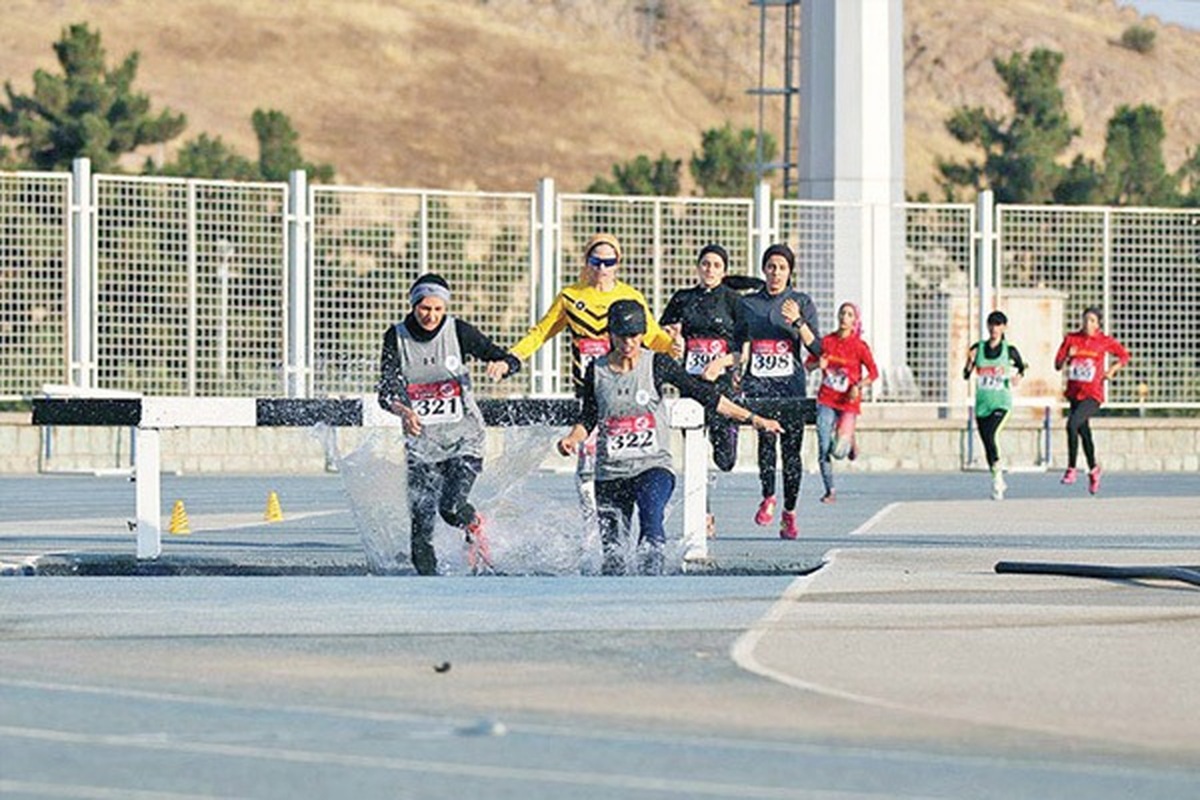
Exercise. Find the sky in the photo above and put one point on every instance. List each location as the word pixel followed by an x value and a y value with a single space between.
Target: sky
pixel 1181 12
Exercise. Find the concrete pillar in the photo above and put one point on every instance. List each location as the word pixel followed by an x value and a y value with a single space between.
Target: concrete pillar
pixel 852 150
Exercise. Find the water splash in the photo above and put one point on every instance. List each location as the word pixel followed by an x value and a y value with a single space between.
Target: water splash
pixel 533 530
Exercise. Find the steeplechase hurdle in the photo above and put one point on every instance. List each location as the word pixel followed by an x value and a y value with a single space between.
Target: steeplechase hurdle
pixel 148 416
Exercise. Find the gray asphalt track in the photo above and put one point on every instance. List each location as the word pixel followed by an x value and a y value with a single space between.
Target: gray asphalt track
pixel 902 669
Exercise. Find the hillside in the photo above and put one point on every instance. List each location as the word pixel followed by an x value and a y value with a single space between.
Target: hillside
pixel 493 94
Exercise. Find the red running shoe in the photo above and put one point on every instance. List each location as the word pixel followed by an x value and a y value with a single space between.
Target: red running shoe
pixel 1094 479
pixel 479 552
pixel 1069 476
pixel 788 529
pixel 766 511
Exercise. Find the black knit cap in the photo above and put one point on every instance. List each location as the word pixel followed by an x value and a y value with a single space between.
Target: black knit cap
pixel 714 248
pixel 997 318
pixel 626 318
pixel 780 250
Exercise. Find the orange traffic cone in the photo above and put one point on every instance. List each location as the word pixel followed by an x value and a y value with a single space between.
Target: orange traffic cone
pixel 273 513
pixel 179 520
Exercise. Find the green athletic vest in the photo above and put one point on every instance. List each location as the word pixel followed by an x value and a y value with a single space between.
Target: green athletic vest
pixel 992 383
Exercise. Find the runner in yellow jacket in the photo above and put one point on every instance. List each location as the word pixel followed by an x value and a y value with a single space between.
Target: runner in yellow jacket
pixel 582 308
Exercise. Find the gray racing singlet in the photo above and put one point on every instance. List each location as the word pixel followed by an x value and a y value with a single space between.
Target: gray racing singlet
pixel 439 390
pixel 633 434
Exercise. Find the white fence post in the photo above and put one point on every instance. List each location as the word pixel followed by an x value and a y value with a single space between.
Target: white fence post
pixel 763 233
pixel 988 273
pixel 545 362
pixel 82 317
pixel 299 271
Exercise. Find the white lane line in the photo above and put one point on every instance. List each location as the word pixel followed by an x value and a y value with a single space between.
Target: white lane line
pixel 743 650
pixel 875 519
pixel 687 788
pixel 82 792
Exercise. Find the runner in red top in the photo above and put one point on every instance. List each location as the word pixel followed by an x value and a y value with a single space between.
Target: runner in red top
pixel 844 357
pixel 1083 354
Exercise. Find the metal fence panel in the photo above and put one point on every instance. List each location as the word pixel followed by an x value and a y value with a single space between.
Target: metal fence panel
pixel 660 239
pixel 34 281
pixel 1140 266
pixel 190 286
pixel 941 315
pixel 369 245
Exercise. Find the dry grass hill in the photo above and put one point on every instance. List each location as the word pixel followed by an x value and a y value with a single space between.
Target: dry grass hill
pixel 493 94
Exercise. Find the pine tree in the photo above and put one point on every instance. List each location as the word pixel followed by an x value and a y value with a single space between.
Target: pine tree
pixel 87 111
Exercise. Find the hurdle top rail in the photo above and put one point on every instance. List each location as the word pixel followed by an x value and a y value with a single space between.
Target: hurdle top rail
pixel 148 416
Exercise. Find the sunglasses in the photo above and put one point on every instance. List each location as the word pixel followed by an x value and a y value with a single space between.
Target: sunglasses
pixel 598 263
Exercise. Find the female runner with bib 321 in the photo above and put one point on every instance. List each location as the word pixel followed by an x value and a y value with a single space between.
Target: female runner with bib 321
pixel 778 322
pixel 423 379
pixel 1083 354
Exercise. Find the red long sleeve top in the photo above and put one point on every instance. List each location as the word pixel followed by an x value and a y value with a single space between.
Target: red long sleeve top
pixel 1085 368
pixel 845 361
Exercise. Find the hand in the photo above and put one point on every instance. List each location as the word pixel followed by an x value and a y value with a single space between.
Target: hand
pixel 497 369
pixel 713 370
pixel 1071 351
pixel 790 311
pixel 766 424
pixel 823 363
pixel 408 418
pixel 567 445
pixel 675 331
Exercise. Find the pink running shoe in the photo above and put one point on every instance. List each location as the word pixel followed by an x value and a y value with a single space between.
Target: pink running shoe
pixel 766 511
pixel 1069 476
pixel 788 529
pixel 479 552
pixel 1094 479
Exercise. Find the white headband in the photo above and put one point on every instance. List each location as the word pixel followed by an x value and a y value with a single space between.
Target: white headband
pixel 423 290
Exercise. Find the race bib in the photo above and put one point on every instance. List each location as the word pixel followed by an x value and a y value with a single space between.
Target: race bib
pixel 771 358
pixel 837 380
pixel 590 350
pixel 1082 370
pixel 702 352
pixel 631 437
pixel 991 378
pixel 437 403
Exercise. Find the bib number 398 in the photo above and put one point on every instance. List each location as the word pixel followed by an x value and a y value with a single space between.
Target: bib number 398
pixel 771 358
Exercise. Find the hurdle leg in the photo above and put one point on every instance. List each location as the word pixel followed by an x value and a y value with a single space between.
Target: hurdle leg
pixel 149 493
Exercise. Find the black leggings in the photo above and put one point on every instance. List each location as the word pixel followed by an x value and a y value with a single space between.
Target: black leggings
pixel 723 434
pixel 441 488
pixel 989 428
pixel 793 467
pixel 1079 428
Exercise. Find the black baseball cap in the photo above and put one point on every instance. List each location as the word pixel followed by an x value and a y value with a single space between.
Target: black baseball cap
pixel 626 318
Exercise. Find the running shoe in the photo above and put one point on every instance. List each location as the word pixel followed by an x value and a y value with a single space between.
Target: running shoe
pixel 1094 479
pixel 788 529
pixel 710 527
pixel 766 511
pixel 479 552
pixel 998 484
pixel 1069 476
pixel 853 454
pixel 829 498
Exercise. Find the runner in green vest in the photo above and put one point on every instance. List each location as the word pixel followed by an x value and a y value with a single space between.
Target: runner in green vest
pixel 993 360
